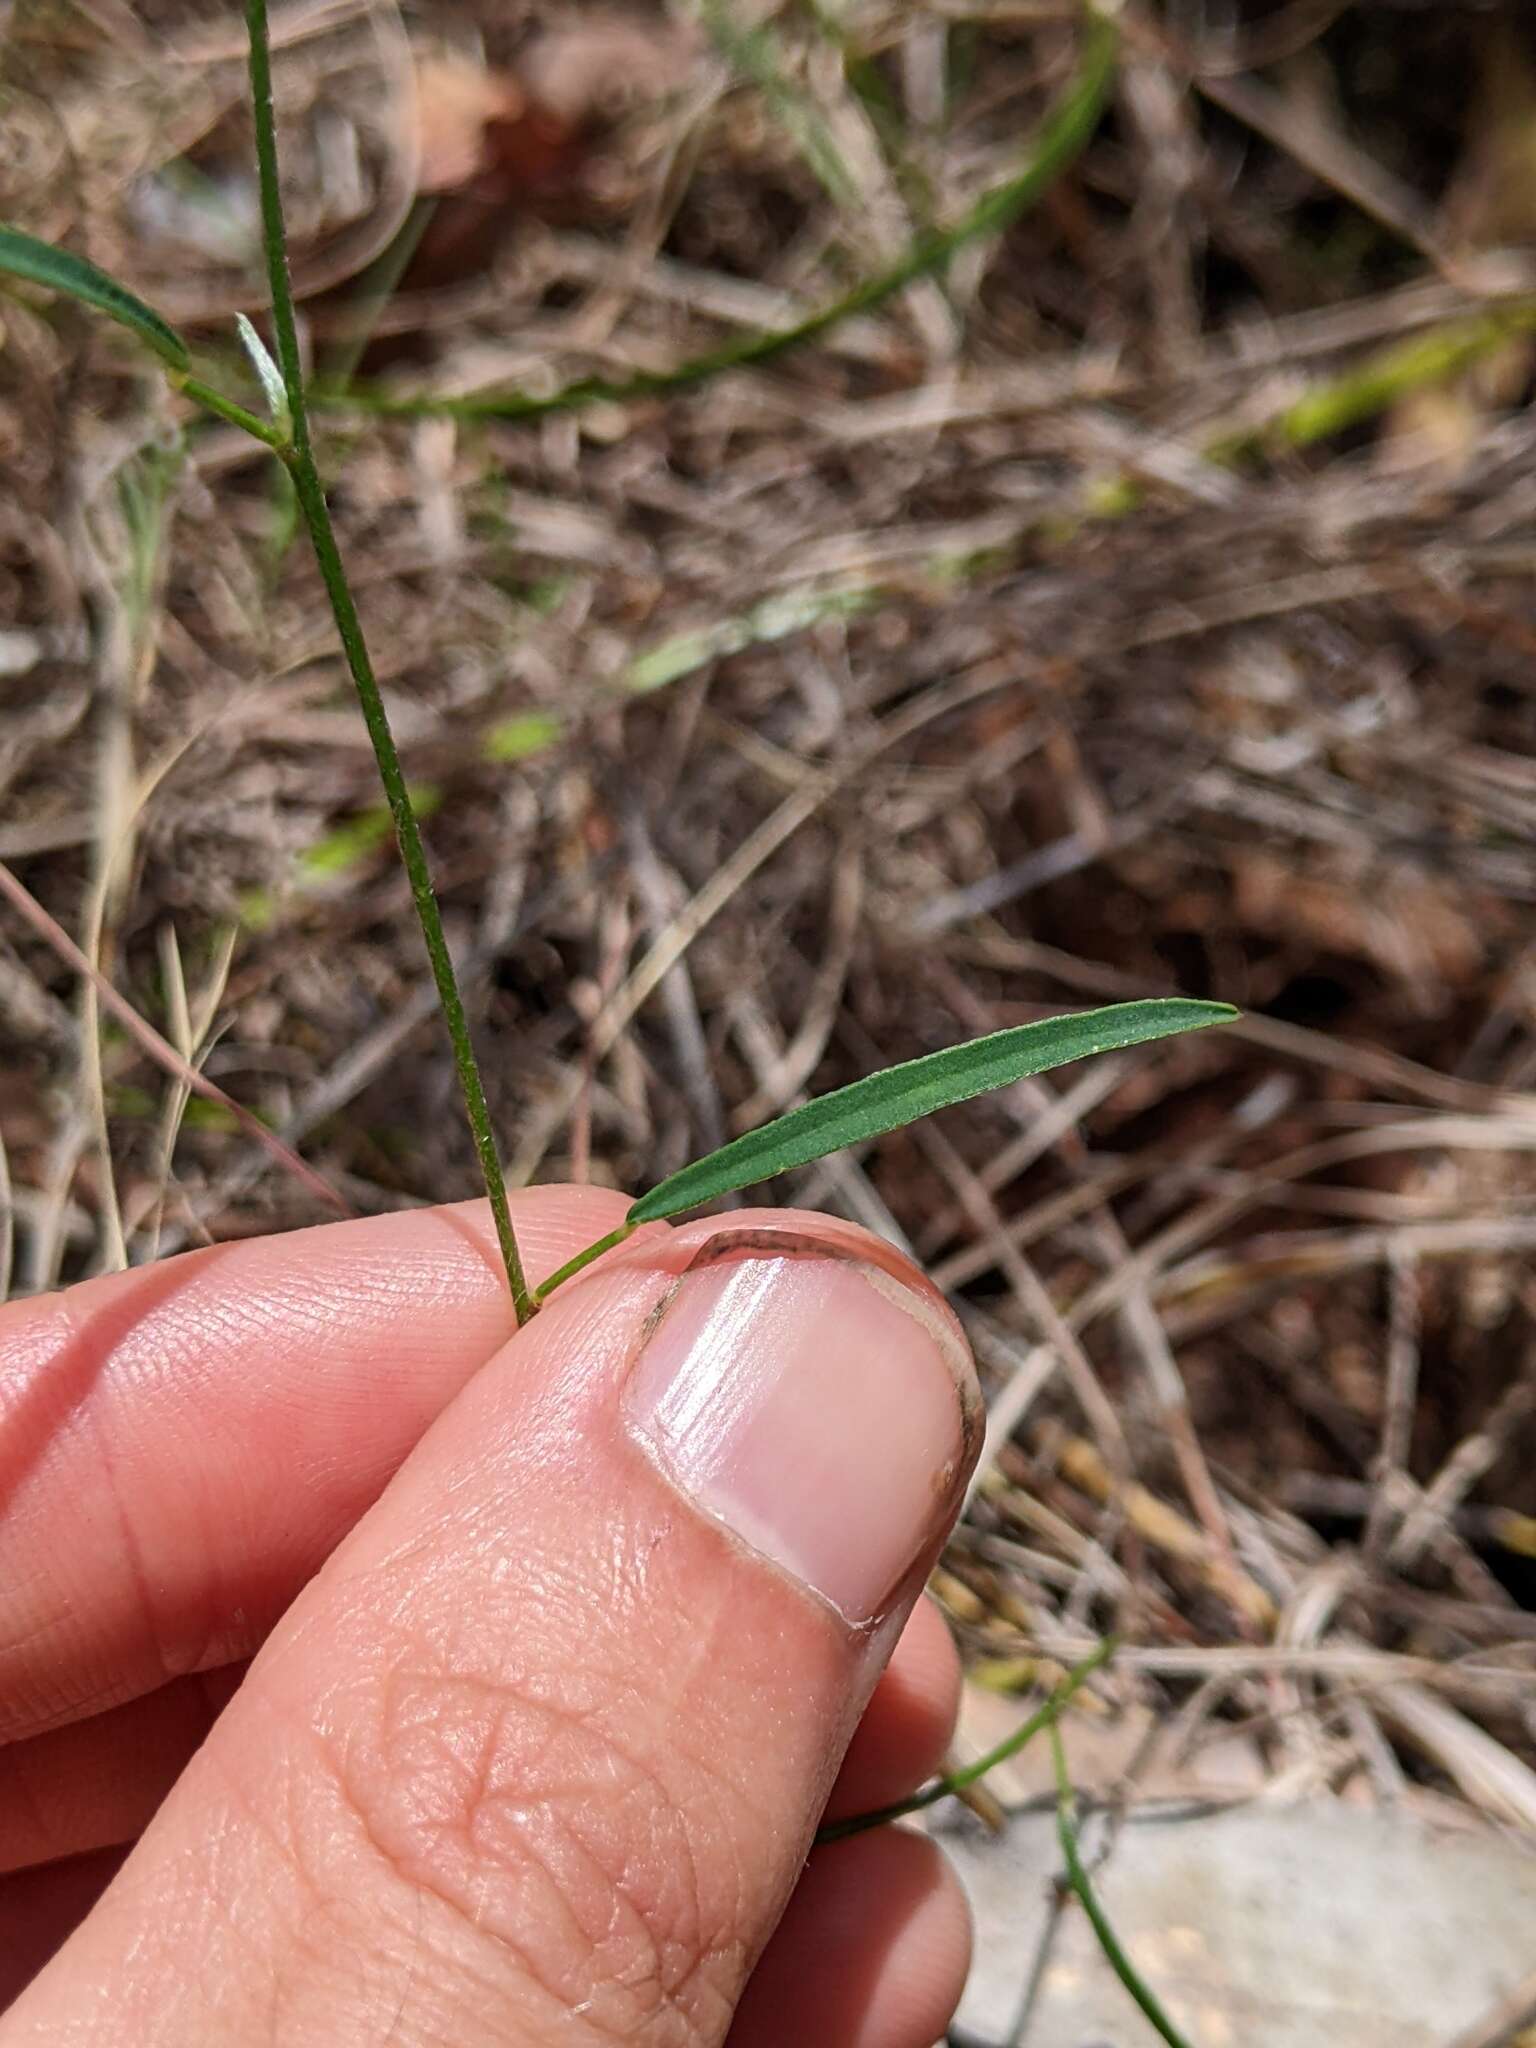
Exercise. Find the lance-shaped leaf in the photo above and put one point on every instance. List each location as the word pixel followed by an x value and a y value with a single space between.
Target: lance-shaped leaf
pixel 61 271
pixel 885 1101
pixel 268 375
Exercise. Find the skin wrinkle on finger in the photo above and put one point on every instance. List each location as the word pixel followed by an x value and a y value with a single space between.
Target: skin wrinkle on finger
pixel 552 1531
pixel 566 1855
pixel 175 1653
pixel 95 1784
pixel 361 1939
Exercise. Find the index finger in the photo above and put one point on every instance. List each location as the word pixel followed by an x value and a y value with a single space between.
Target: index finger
pixel 182 1445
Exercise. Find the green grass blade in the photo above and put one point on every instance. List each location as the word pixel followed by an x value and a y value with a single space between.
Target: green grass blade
pixel 885 1101
pixel 61 271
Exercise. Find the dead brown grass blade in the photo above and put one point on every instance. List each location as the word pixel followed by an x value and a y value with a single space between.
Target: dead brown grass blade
pixel 159 1049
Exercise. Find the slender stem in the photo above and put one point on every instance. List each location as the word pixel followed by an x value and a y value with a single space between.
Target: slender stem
pixel 214 401
pixel 1098 1920
pixel 300 460
pixel 573 1266
pixel 957 1781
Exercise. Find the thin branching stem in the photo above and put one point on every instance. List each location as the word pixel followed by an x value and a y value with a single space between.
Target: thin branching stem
pixel 972 1774
pixel 299 457
pixel 1088 1899
pixel 236 415
pixel 583 1258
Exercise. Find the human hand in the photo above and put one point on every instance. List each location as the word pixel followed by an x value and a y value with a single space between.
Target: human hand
pixel 562 1637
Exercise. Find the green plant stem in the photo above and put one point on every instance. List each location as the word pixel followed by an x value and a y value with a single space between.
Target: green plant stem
pixel 1078 1879
pixel 584 1258
pixel 1067 130
pixel 298 455
pixel 957 1781
pixel 237 416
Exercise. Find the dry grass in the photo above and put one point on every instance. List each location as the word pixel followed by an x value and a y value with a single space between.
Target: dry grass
pixel 999 652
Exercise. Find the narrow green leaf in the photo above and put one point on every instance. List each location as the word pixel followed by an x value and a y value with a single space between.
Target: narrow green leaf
pixel 62 271
pixel 885 1101
pixel 268 375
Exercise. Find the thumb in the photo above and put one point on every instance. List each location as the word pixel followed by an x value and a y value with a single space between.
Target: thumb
pixel 538 1755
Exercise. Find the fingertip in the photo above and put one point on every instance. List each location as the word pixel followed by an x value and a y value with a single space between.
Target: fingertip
pixel 872 1952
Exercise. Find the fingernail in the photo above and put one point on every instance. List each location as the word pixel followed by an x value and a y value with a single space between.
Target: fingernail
pixel 819 1408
